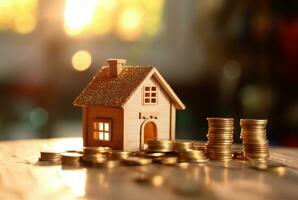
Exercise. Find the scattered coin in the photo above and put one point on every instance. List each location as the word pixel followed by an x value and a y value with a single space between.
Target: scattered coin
pixel 160 145
pixel 150 179
pixel 93 159
pixel 193 156
pixel 137 161
pixel 119 155
pixel 71 159
pixel 108 164
pixel 166 160
pixel 50 156
pixel 181 146
pixel 95 150
pixel 153 154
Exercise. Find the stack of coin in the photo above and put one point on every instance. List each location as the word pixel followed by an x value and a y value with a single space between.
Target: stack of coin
pixel 193 156
pixel 119 155
pixel 109 164
pixel 220 138
pixel 166 160
pixel 50 156
pixel 202 147
pixel 137 161
pixel 181 146
pixel 95 150
pixel 154 154
pixel 160 145
pixel 93 159
pixel 71 159
pixel 255 143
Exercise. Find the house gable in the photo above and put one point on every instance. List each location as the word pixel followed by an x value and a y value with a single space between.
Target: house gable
pixel 164 86
pixel 159 114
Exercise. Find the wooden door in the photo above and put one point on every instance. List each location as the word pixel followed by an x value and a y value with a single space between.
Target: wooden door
pixel 150 131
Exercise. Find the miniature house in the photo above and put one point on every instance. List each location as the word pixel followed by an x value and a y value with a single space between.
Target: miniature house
pixel 124 106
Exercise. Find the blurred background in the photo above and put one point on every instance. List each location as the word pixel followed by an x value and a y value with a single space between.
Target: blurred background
pixel 224 58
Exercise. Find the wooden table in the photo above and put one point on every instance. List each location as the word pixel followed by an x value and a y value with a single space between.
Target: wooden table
pixel 22 178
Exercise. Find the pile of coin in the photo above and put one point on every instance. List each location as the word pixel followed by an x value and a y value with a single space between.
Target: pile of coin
pixel 166 160
pixel 96 150
pixel 160 145
pixel 71 159
pixel 198 146
pixel 220 138
pixel 181 146
pixel 109 164
pixel 253 135
pixel 53 157
pixel 95 155
pixel 119 155
pixel 137 161
pixel 197 156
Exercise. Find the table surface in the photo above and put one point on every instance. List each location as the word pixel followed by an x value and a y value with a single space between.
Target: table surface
pixel 22 177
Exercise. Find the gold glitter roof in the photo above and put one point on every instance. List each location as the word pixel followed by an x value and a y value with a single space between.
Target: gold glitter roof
pixel 114 92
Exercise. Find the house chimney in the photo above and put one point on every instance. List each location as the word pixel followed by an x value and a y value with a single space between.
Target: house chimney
pixel 116 66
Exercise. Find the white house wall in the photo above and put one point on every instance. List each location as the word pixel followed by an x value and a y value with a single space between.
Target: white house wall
pixel 132 121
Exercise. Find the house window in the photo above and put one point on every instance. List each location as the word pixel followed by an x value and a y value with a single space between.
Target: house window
pixel 150 95
pixel 102 129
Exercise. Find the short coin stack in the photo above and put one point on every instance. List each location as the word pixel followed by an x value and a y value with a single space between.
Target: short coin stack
pixel 253 135
pixel 160 146
pixel 95 155
pixel 220 138
pixel 197 156
pixel 50 156
pixel 119 155
pixel 181 146
pixel 71 159
pixel 137 161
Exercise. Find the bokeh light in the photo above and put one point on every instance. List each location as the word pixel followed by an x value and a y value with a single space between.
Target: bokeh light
pixel 38 117
pixel 77 15
pixel 130 24
pixel 25 24
pixel 18 15
pixel 129 20
pixel 81 60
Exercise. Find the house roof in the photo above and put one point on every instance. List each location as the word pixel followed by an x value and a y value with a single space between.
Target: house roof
pixel 114 92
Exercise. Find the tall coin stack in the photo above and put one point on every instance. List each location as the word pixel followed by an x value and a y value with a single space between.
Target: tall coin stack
pixel 253 135
pixel 220 138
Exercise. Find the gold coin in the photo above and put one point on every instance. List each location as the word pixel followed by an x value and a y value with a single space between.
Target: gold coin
pixel 109 164
pixel 95 150
pixel 118 155
pixel 153 155
pixel 168 160
pixel 137 161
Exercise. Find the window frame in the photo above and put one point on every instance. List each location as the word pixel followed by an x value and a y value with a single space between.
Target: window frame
pixel 96 131
pixel 150 97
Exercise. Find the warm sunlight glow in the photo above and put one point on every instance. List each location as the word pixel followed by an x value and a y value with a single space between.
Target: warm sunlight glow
pixel 130 24
pixel 81 60
pixel 18 15
pixel 77 15
pixel 24 24
pixel 129 20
